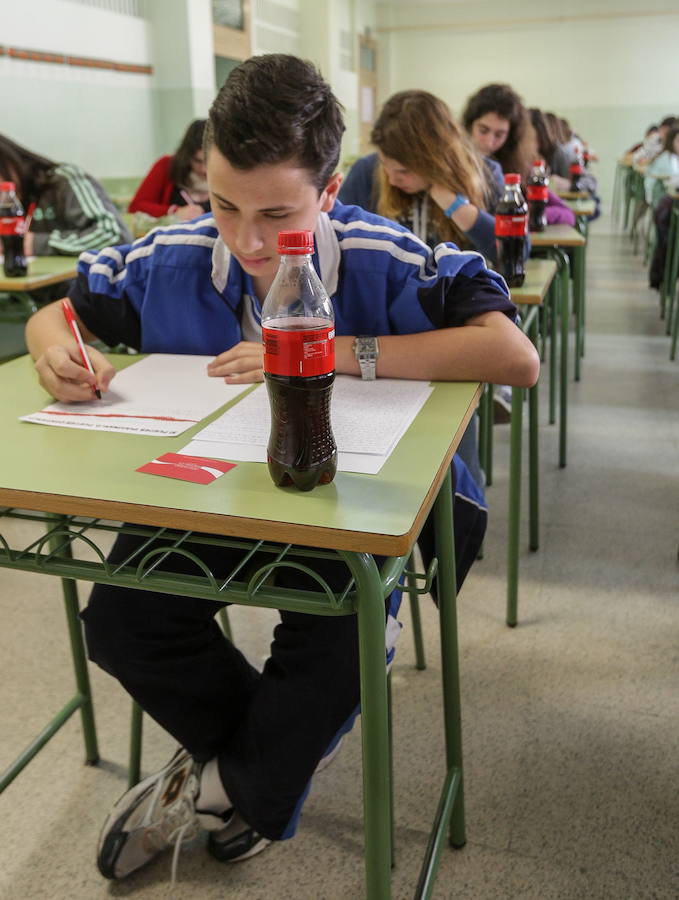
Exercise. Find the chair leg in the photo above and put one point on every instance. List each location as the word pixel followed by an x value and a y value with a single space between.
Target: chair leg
pixel 136 736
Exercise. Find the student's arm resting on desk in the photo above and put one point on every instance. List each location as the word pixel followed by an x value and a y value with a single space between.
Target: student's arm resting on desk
pixel 57 357
pixel 489 348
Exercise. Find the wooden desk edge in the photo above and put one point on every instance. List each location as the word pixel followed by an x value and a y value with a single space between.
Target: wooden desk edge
pixel 242 527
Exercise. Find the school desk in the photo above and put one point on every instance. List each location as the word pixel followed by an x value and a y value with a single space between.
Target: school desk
pixel 43 271
pixel 86 482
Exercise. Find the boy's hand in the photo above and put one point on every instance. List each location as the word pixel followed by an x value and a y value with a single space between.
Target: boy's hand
pixel 241 364
pixel 62 374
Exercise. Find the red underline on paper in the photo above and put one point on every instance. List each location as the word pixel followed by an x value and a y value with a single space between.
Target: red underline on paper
pixel 56 412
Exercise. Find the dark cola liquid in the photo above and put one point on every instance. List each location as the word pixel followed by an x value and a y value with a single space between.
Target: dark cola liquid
pixel 510 238
pixel 302 449
pixel 14 265
pixel 536 205
pixel 510 260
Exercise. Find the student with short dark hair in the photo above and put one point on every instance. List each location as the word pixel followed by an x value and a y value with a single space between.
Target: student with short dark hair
pixel 176 185
pixel 251 741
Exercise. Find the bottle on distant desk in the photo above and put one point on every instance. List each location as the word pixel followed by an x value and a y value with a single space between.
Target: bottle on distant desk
pixel 298 332
pixel 575 171
pixel 12 231
pixel 511 228
pixel 537 189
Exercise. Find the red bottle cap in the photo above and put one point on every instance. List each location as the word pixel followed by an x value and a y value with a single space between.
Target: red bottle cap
pixel 7 186
pixel 296 242
pixel 539 162
pixel 513 178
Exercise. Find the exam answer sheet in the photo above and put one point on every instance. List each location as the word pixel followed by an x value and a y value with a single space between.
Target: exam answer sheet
pixel 368 420
pixel 164 393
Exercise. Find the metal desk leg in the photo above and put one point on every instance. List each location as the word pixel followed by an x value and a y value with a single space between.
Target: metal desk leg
pixel 533 454
pixel 375 733
pixel 670 257
pixel 579 304
pixel 451 801
pixel 514 505
pixel 81 700
pixel 562 261
pixel 552 306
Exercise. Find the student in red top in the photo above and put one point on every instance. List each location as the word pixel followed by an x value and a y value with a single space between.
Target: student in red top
pixel 176 185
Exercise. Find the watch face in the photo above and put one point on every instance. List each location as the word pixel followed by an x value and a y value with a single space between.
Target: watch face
pixel 366 346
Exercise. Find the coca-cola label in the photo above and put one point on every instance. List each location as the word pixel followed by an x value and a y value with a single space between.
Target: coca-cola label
pixel 511 226
pixel 11 225
pixel 537 192
pixel 300 352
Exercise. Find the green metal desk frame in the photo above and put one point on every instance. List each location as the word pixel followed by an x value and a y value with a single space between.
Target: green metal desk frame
pixel 57 553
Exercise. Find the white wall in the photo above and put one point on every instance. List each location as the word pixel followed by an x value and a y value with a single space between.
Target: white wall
pixel 100 119
pixel 610 75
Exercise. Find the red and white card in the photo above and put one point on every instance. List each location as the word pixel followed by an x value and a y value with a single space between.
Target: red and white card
pixel 197 469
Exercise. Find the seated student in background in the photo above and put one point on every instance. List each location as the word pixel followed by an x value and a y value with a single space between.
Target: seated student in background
pixel 251 741
pixel 550 150
pixel 496 120
pixel 645 150
pixel 428 176
pixel 556 211
pixel 176 185
pixel 665 164
pixel 71 210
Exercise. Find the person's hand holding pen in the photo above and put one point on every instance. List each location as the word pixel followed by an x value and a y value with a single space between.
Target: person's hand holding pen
pixel 58 359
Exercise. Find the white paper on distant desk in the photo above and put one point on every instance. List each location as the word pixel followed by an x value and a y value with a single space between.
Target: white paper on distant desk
pixel 368 420
pixel 162 394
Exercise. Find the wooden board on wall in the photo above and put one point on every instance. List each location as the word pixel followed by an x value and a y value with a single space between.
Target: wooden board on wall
pixel 232 42
pixel 367 90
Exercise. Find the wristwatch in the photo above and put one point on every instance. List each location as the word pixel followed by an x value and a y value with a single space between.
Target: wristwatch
pixel 366 350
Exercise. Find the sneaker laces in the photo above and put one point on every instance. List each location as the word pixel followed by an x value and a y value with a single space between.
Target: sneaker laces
pixel 177 826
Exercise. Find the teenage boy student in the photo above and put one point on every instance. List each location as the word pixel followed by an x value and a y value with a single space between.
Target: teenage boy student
pixel 251 741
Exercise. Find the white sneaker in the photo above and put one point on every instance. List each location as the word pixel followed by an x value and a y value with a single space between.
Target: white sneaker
pixel 157 813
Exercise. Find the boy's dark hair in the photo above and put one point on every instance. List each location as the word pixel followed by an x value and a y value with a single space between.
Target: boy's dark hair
pixel 277 108
pixel 32 172
pixel 181 160
pixel 669 121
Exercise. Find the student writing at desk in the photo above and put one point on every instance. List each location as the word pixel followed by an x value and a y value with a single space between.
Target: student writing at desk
pixel 251 741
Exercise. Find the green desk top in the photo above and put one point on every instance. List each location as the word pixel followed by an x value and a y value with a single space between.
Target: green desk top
pixel 67 470
pixel 42 271
pixel 557 236
pixel 539 275
pixel 581 207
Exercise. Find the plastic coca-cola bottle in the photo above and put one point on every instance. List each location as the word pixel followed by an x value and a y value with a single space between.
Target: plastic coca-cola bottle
pixel 537 189
pixel 575 170
pixel 298 332
pixel 12 231
pixel 511 227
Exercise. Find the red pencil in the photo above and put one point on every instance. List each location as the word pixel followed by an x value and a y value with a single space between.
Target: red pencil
pixel 69 315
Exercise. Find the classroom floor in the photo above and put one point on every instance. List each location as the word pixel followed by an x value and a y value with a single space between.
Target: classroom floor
pixel 571 720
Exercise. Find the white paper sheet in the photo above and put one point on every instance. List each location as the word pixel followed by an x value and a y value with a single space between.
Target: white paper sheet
pixel 161 394
pixel 368 420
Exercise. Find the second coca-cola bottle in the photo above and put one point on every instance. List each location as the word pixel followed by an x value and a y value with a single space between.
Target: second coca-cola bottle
pixel 12 231
pixel 511 227
pixel 537 190
pixel 298 333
